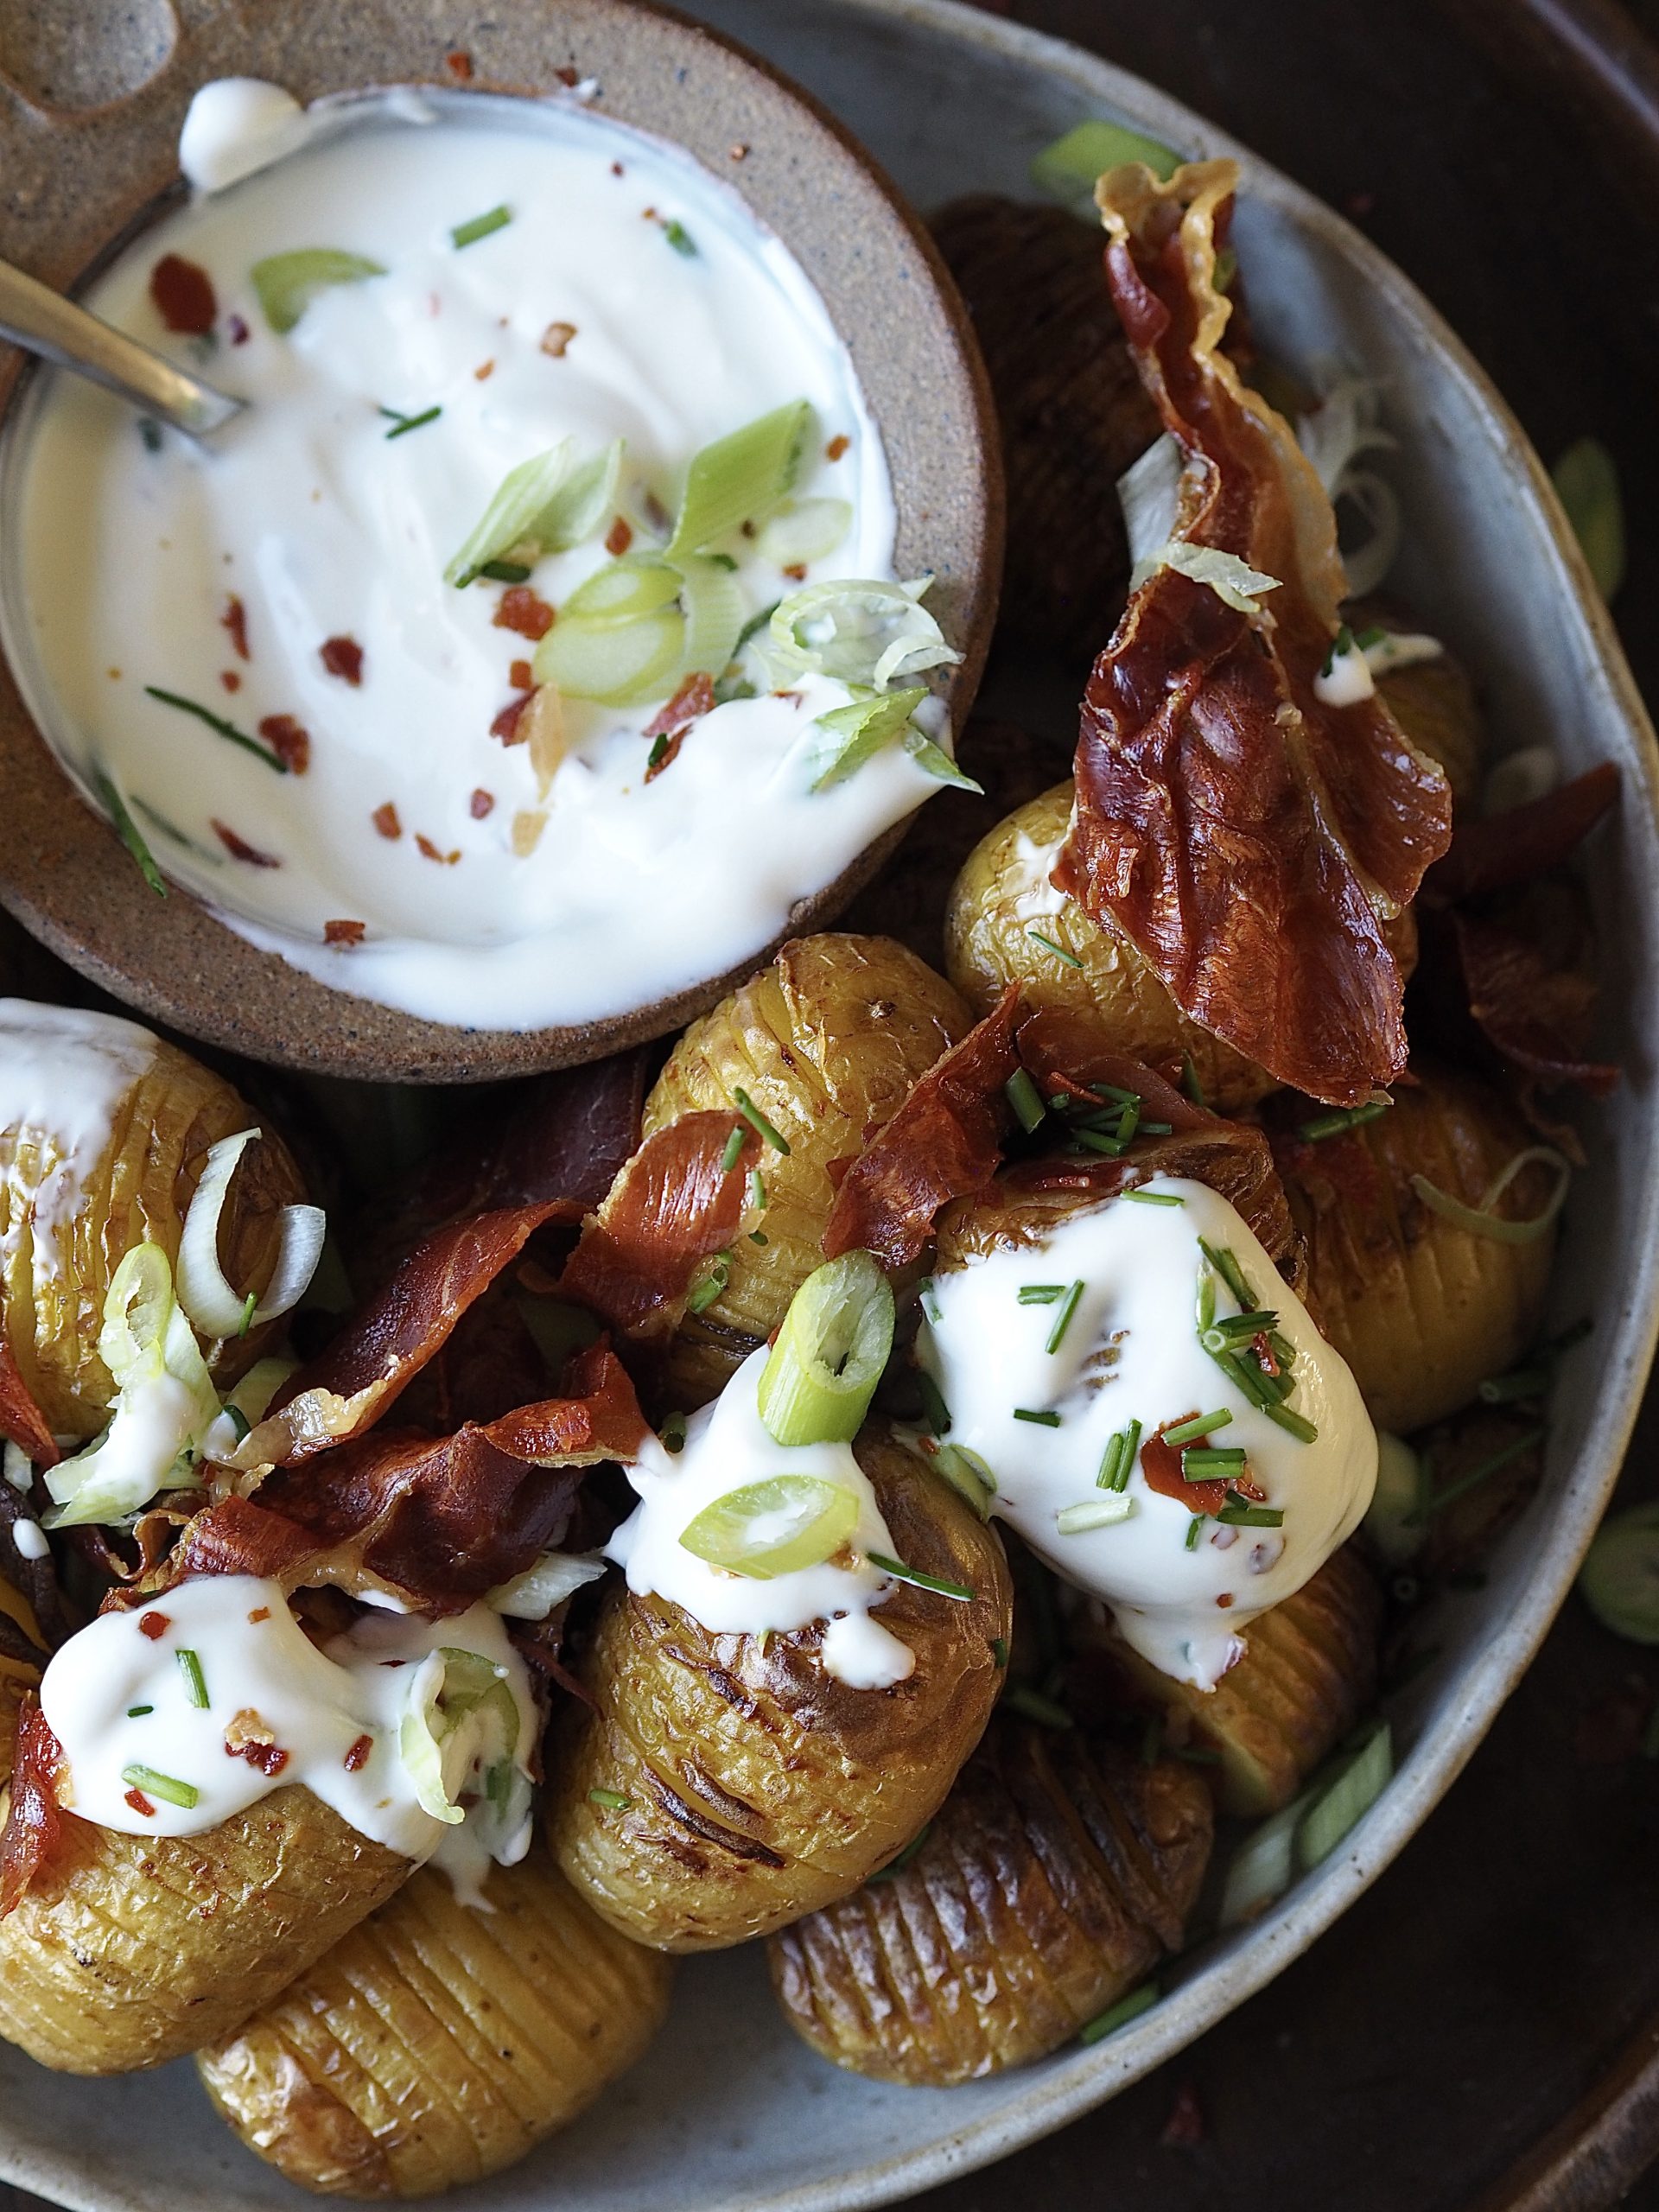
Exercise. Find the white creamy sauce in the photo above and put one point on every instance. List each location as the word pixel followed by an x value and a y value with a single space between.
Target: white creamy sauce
pixel 728 1446
pixel 30 1538
pixel 119 1699
pixel 1036 897
pixel 65 1075
pixel 578 318
pixel 1131 1352
pixel 1345 679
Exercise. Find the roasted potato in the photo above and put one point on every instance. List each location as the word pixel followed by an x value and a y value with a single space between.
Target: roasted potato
pixel 1433 702
pixel 17 1675
pixel 827 1042
pixel 130 1950
pixel 721 1785
pixel 1003 894
pixel 1308 1670
pixel 56 1260
pixel 1420 1307
pixel 438 2042
pixel 1060 1869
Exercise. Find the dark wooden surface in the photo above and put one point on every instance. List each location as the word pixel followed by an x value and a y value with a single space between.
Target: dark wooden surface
pixel 1481 2033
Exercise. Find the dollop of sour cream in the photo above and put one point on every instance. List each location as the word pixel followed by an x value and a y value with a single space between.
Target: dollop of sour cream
pixel 287 576
pixel 126 1704
pixel 727 1447
pixel 1130 1351
pixel 65 1075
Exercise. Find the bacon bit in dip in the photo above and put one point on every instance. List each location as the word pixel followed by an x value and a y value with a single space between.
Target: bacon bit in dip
pixel 235 621
pixel 239 849
pixel 557 335
pixel 357 1756
pixel 342 657
pixel 482 803
pixel 521 676
pixel 140 1803
pixel 665 752
pixel 230 679
pixel 289 742
pixel 619 537
pixel 259 1613
pixel 460 67
pixel 183 294
pixel 837 446
pixel 796 572
pixel 343 933
pixel 695 696
pixel 432 852
pixel 521 611
pixel 154 1625
pixel 505 725
pixel 385 819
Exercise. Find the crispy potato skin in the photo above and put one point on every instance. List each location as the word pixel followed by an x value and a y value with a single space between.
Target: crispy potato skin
pixel 827 1041
pixel 1003 891
pixel 130 1950
pixel 1433 702
pixel 52 1298
pixel 1420 1308
pixel 759 1786
pixel 1058 1872
pixel 1308 1671
pixel 438 2043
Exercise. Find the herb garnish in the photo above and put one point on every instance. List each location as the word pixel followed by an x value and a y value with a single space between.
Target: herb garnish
pixel 936 1583
pixel 480 226
pixel 130 834
pixel 218 723
pixel 401 423
pixel 758 1122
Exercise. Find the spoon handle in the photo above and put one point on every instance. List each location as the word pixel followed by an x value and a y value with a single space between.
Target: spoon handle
pixel 42 321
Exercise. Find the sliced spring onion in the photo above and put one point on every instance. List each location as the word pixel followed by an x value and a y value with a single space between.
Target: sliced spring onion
pixel 1067 169
pixel 1345 1801
pixel 778 1526
pixel 859 630
pixel 1393 1520
pixel 546 504
pixel 128 832
pixel 1233 581
pixel 743 477
pixel 613 1801
pixel 618 665
pixel 288 282
pixel 1344 1118
pixel 804 530
pixel 1263 1867
pixel 195 1685
pixel 835 1342
pixel 710 1284
pixel 167 1787
pixel 1026 1099
pixel 623 591
pixel 1481 1221
pixel 968 1475
pixel 214 1307
pixel 1119 2016
pixel 914 1575
pixel 855 733
pixel 1117 1464
pixel 1094 1513
pixel 480 226
pixel 1063 1319
pixel 1194 1530
pixel 714 616
pixel 1586 482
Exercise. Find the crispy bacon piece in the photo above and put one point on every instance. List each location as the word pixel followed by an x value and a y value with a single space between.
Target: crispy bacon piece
pixel 183 295
pixel 238 848
pixel 342 657
pixel 675 1204
pixel 694 697
pixel 521 610
pixel 234 621
pixel 505 725
pixel 1251 841
pixel 36 1821
pixel 1532 999
pixel 344 932
pixel 22 1422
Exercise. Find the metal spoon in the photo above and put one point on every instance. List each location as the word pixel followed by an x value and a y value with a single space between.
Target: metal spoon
pixel 42 321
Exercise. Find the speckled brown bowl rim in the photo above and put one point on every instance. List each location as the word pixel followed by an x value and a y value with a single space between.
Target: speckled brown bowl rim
pixel 77 180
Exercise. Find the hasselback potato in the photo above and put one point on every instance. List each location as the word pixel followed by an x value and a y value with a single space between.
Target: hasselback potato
pixel 115 1168
pixel 126 1951
pixel 721 1784
pixel 1421 1308
pixel 1003 895
pixel 438 2042
pixel 1308 1671
pixel 1060 1870
pixel 826 1042
pixel 16 1677
pixel 1434 702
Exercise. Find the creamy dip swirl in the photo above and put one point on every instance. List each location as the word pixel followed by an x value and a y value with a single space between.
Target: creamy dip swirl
pixel 1041 1419
pixel 624 293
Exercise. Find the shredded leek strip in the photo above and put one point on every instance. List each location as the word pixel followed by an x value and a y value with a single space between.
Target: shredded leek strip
pixel 1341 1806
pixel 915 1577
pixel 859 630
pixel 1094 1513
pixel 855 733
pixel 778 1526
pixel 204 1293
pixel 968 1475
pixel 804 530
pixel 830 1352
pixel 1127 2009
pixel 288 282
pixel 128 832
pixel 1067 168
pixel 744 477
pixel 1480 1220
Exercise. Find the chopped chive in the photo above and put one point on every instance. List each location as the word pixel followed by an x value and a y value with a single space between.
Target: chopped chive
pixel 1058 951
pixel 1129 1121
pixel 1194 1755
pixel 137 1711
pixel 1490 1466
pixel 238 1421
pixel 1127 2009
pixel 250 1307
pixel 1048 1711
pixel 937 1412
pixel 758 1122
pixel 1194 1530
pixel 401 423
pixel 613 1801
pixel 1155 1129
pixel 1221 1259
pixel 505 572
pixel 679 237
pixel 1520 1383
pixel 130 834
pixel 1297 1425
pixel 1115 1093
pixel 173 1792
pixel 1154 1197
pixel 1239 1513
pixel 480 226
pixel 1189 1082
pixel 755 1190
pixel 702 1295
pixel 898 1865
pixel 734 1151
pixel 1025 1100
pixel 1348 1117
pixel 1000 1650
pixel 1199 1465
pixel 195 1682
pixel 755 624
pixel 1342 642
pixel 151 431
pixel 1040 1420
pixel 1094 1513
pixel 1245 1377
pixel 1241 1327
pixel 219 723
pixel 929 1302
pixel 1118 1463
pixel 672 1433
pixel 658 746
pixel 1063 1319
pixel 1041 1294
pixel 936 1583
pixel 1189 1432
pixel 1207 1301
pixel 759 1236
pixel 1114 1148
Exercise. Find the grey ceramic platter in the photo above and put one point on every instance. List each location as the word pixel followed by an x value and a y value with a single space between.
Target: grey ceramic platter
pixel 727 2114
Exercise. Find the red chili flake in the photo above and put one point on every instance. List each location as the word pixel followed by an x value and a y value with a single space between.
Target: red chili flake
pixel 482 803
pixel 268 1759
pixel 505 725
pixel 357 1756
pixel 557 336
pixel 796 572
pixel 235 619
pixel 140 1803
pixel 837 446
pixel 459 65
pixel 520 610
pixel 260 1613
pixel 485 370
pixel 385 819
pixel 230 679
pixel 183 293
pixel 239 849
pixel 238 330
pixel 667 757
pixel 432 852
pixel 568 77
pixel 288 741
pixel 343 933
pixel 342 657
pixel 695 696
pixel 1184 2126
pixel 619 537
pixel 154 1625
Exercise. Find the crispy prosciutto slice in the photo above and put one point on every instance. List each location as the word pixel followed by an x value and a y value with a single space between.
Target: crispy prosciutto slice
pixel 34 1821
pixel 1250 839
